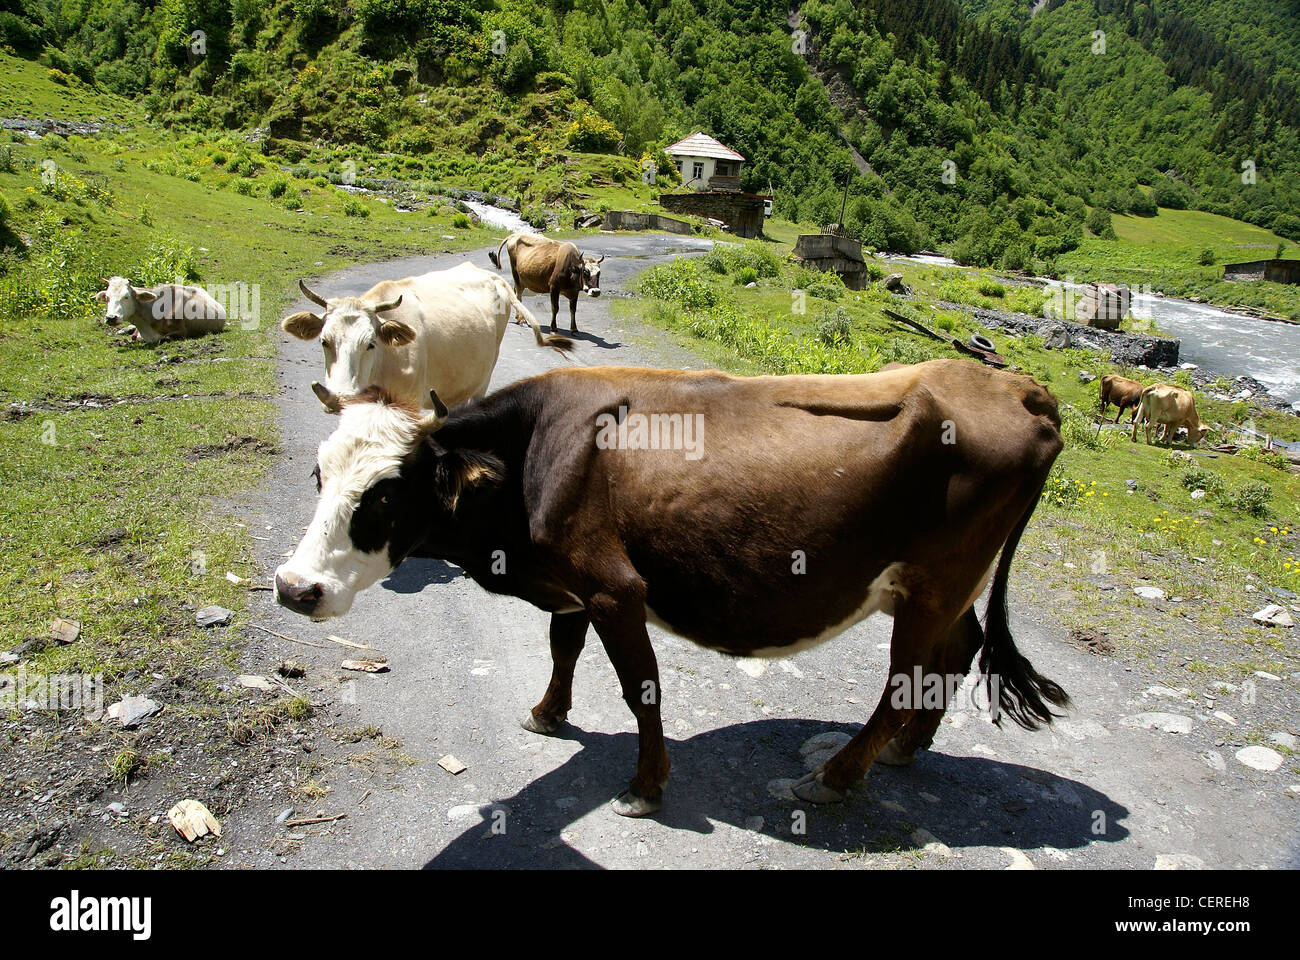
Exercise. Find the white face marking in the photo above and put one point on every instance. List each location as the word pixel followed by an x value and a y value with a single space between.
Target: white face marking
pixel 369 445
pixel 350 341
pixel 122 305
pixel 591 276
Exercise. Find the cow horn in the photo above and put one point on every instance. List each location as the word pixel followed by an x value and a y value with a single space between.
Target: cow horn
pixel 326 396
pixel 391 305
pixel 432 421
pixel 313 297
pixel 103 281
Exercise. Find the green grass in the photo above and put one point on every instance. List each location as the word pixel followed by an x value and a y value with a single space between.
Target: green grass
pixel 1162 252
pixel 27 91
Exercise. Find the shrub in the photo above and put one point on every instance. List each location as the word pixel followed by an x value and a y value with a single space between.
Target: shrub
pixel 1079 431
pixel 352 207
pixel 1207 257
pixel 678 282
pixel 460 221
pixel 276 186
pixel 592 133
pixel 746 275
pixel 1271 458
pixel 1251 499
pixel 826 291
pixel 991 288
pixel 244 187
pixel 834 328
pixel 1099 224
pixel 1198 478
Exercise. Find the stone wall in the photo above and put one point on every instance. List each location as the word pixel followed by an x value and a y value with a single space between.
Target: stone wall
pixel 1129 349
pixel 1277 271
pixel 741 212
pixel 627 220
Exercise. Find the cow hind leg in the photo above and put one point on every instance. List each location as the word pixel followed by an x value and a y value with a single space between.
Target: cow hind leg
pixel 914 639
pixel 555 308
pixel 953 661
pixel 568 636
pixel 620 623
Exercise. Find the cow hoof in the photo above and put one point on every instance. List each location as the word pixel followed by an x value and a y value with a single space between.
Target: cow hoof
pixel 893 756
pixel 533 725
pixel 628 804
pixel 811 789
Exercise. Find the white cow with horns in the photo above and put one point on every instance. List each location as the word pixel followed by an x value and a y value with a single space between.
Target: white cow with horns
pixel 439 331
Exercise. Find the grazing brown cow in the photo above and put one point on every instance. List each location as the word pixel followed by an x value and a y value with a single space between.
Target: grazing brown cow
pixel 1122 392
pixel 1172 409
pixel 557 267
pixel 755 516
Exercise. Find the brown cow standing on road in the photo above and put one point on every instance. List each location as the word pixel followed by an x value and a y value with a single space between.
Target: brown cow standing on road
pixel 1122 392
pixel 755 516
pixel 557 267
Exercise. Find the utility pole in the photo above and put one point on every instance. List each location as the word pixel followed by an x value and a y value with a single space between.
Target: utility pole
pixel 848 178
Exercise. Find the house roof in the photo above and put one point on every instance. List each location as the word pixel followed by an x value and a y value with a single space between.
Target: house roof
pixel 702 145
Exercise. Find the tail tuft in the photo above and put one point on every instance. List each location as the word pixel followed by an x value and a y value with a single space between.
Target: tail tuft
pixel 492 255
pixel 1022 693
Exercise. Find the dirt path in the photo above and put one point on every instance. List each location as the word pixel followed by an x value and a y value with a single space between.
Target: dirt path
pixel 1099 789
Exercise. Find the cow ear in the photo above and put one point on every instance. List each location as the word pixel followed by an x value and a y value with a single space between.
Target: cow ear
pixel 395 333
pixel 144 296
pixel 304 326
pixel 460 471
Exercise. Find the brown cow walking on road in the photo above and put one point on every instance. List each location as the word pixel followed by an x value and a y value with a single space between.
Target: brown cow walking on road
pixel 555 267
pixel 755 516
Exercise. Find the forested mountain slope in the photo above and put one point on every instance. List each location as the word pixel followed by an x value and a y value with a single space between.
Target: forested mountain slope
pixel 1002 133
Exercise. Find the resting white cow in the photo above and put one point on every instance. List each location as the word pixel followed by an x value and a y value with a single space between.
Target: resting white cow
pixel 166 310
pixel 439 331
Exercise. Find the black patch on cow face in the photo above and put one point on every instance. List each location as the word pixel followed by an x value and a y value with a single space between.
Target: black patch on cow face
pixel 388 516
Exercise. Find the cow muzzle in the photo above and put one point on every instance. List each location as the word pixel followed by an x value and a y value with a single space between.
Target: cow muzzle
pixel 112 321
pixel 297 595
pixel 593 291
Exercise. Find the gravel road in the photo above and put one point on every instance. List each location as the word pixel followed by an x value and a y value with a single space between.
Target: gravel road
pixel 1101 788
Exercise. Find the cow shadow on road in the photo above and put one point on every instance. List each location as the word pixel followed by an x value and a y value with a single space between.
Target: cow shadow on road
pixel 415 573
pixel 592 338
pixel 720 782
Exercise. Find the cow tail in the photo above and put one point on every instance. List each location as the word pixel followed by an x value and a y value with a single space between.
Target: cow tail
pixel 1022 693
pixel 543 339
pixel 495 255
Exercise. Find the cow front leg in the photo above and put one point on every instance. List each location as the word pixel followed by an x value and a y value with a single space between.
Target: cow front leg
pixel 555 307
pixel 620 623
pixel 573 313
pixel 568 635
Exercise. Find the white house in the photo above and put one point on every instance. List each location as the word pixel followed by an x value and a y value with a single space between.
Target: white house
pixel 705 163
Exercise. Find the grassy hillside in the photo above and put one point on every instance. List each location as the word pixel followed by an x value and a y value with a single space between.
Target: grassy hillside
pixel 985 131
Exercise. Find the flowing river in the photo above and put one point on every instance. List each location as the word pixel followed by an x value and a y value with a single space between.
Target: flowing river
pixel 1219 342
pixel 1230 343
